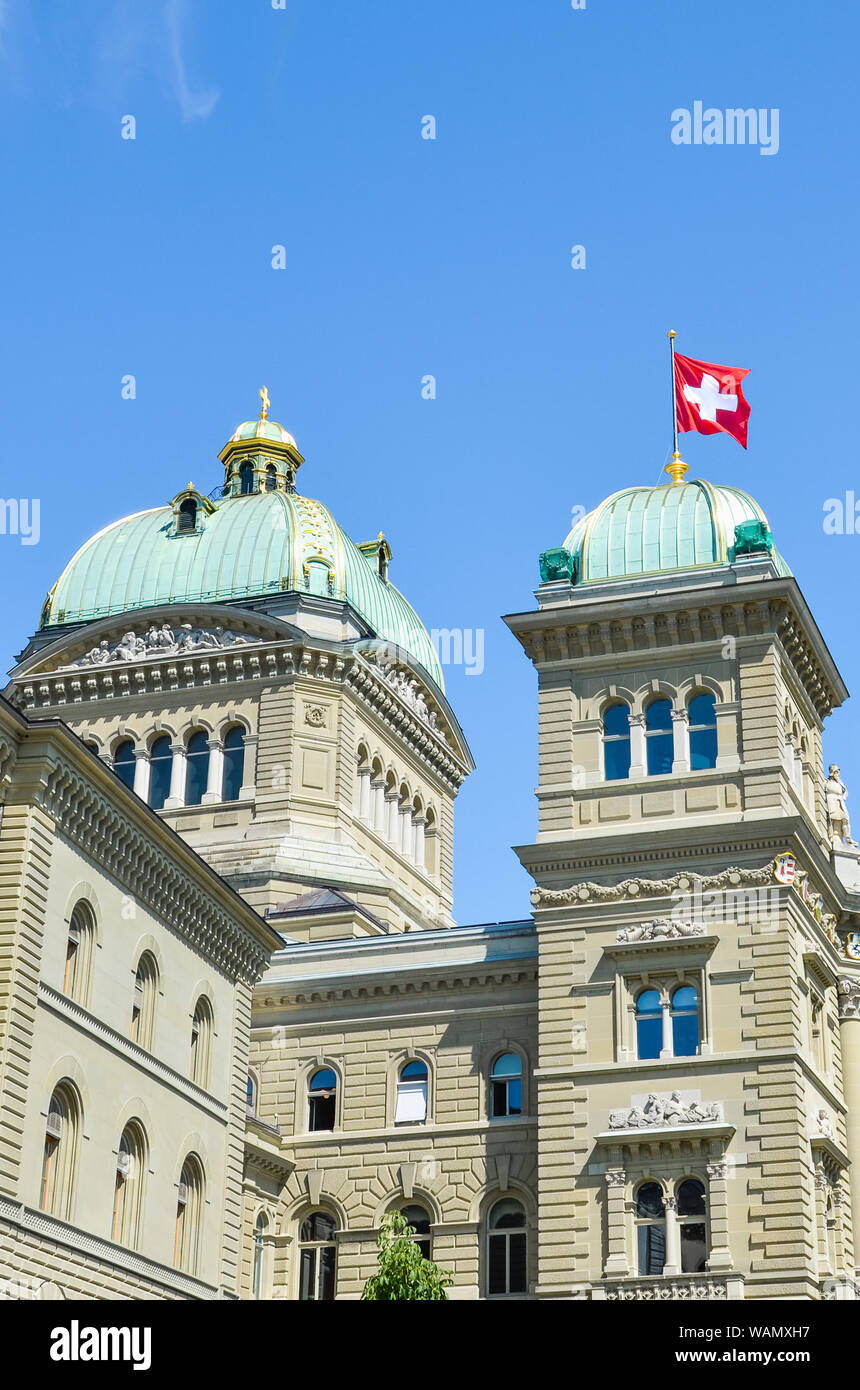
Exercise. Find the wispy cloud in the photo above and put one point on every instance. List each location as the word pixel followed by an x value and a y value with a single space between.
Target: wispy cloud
pixel 195 105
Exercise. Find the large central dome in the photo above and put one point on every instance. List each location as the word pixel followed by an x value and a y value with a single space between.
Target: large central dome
pixel 262 540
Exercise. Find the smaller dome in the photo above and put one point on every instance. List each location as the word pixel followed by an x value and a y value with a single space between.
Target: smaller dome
pixel 262 429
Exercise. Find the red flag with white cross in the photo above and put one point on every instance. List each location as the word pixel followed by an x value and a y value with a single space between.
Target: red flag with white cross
pixel 708 398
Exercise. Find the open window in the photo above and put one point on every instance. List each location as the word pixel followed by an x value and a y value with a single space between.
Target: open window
pixel 412 1082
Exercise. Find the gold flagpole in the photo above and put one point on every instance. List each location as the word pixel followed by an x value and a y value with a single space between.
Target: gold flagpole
pixel 677 468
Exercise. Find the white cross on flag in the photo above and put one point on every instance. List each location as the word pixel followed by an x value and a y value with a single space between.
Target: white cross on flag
pixel 708 398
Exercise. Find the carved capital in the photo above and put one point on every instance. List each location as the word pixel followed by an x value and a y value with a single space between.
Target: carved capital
pixel 849 996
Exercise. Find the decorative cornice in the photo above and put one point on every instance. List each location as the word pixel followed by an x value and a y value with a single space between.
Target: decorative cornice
pixel 655 1289
pixel 660 929
pixel 430 744
pixel 579 893
pixel 666 1112
pixel 379 986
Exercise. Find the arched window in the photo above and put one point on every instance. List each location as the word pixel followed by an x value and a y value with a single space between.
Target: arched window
pixel 703 732
pixel 261 1226
pixel 317 1257
pixel 234 763
pixel 196 768
pixel 616 742
pixel 650 1228
pixel 251 1094
pixel 201 1041
pixel 246 478
pixel 160 762
pixel 692 1226
pixel 189 1216
pixel 124 762
pixel 271 478
pixel 419 1219
pixel 685 1021
pixel 322 1100
pixel 60 1154
pixel 187 518
pixel 79 950
pixel 507 1270
pixel 659 743
pixel 411 1094
pixel 506 1086
pixel 649 1025
pixel 128 1186
pixel 143 1002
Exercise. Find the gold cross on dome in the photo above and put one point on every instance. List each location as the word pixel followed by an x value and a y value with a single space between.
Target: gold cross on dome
pixel 263 393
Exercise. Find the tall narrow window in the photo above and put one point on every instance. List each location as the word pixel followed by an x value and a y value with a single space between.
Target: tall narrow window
pixel 251 1094
pixel 703 732
pixel 234 763
pixel 246 478
pixel 506 1249
pixel 616 743
pixel 271 478
pixel 124 762
pixel 659 743
pixel 261 1225
pixel 60 1152
pixel 128 1187
pixel 160 762
pixel 196 768
pixel 143 1001
pixel 317 1255
pixel 419 1220
pixel 685 1021
pixel 649 1025
pixel 79 953
pixel 187 518
pixel 692 1226
pixel 651 1228
pixel 411 1094
pixel 189 1216
pixel 322 1100
pixel 201 1041
pixel 506 1086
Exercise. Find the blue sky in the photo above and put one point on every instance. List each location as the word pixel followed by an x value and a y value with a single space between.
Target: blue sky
pixel 451 257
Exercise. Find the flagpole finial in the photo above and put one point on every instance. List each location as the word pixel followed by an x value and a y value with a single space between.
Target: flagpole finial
pixel 677 468
pixel 672 333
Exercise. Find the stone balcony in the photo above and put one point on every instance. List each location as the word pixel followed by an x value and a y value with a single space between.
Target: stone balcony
pixel 707 1287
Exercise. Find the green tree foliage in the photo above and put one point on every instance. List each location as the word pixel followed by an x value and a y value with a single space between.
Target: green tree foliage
pixel 403 1271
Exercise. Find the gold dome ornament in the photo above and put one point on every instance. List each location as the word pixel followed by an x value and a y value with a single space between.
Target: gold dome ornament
pixel 263 393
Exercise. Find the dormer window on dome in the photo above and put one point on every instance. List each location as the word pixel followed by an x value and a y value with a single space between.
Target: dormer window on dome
pixel 378 553
pixel 190 509
pixel 260 456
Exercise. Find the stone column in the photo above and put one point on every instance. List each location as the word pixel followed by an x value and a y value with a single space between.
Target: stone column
pixel 378 802
pixel 617 1255
pixel 248 789
pixel 673 1237
pixel 141 773
pixel 720 1258
pixel 177 777
pixel 667 1050
pixel 849 1032
pixel 215 775
pixel 364 793
pixel 638 756
pixel 418 851
pixel 404 839
pixel 680 741
pixel 391 822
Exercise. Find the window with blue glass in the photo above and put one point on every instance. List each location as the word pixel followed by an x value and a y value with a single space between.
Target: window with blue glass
pixel 651 1228
pixel 123 762
pixel 160 763
pixel 506 1086
pixel 659 743
pixel 685 1021
pixel 196 768
pixel 616 742
pixel 234 764
pixel 649 1025
pixel 703 732
pixel 322 1100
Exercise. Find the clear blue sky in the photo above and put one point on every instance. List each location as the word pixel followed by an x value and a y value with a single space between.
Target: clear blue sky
pixel 405 256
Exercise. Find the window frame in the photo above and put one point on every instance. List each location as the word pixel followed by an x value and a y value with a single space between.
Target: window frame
pixel 492 1082
pixel 504 1235
pixel 608 738
pixel 314 1249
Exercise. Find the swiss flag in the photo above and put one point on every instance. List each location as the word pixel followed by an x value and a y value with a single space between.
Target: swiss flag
pixel 709 398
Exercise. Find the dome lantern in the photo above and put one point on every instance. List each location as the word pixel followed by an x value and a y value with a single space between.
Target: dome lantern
pixel 260 456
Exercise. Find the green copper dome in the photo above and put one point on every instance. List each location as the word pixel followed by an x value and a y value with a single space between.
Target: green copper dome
pixel 267 543
pixel 652 530
pixel 261 429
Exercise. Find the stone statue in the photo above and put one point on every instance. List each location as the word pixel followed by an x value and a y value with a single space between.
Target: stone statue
pixel 163 641
pixel 661 1112
pixel 661 929
pixel 824 1125
pixel 837 812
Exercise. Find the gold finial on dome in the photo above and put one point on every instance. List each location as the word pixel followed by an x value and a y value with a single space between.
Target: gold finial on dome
pixel 263 393
pixel 677 468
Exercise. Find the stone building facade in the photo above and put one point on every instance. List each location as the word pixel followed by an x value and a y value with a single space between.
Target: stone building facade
pixel 649 1085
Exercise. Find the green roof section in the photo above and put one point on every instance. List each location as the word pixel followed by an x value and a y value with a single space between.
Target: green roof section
pixel 254 546
pixel 655 530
